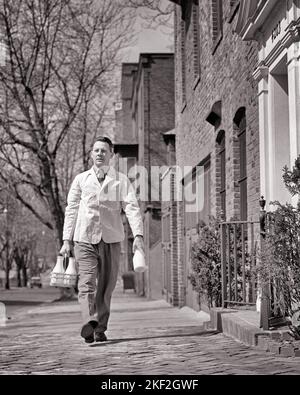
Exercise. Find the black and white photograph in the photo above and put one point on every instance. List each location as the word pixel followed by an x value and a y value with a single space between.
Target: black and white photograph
pixel 149 191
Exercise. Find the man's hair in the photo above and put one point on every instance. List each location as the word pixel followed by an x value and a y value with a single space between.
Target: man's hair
pixel 104 139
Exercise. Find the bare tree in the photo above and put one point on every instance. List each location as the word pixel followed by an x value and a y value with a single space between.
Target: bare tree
pixel 59 54
pixel 88 124
pixel 154 12
pixel 6 256
pixel 7 212
pixel 23 254
pixel 19 233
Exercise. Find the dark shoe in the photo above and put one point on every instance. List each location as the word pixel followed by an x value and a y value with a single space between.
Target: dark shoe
pixel 87 331
pixel 89 339
pixel 100 337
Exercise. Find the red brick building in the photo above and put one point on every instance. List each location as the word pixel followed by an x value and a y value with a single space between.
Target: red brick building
pixel 216 126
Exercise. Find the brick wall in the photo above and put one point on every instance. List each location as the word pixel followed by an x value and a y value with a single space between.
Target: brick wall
pixel 169 208
pixel 225 76
pixel 180 251
pixel 126 133
pixel 153 110
pixel 159 111
pixel 174 244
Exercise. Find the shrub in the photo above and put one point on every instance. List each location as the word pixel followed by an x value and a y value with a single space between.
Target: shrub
pixel 206 264
pixel 206 277
pixel 279 266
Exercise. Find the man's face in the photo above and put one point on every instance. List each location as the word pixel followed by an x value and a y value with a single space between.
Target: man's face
pixel 101 154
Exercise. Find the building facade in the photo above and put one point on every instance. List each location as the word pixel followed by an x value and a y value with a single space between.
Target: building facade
pixel 169 224
pixel 275 26
pixel 216 125
pixel 126 150
pixel 147 114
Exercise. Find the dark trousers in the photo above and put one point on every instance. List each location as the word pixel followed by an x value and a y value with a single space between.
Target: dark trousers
pixel 98 266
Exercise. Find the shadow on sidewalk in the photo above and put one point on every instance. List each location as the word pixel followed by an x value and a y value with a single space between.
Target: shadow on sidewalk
pixel 132 339
pixel 21 302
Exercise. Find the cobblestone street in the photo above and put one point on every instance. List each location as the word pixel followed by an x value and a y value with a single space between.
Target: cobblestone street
pixel 145 337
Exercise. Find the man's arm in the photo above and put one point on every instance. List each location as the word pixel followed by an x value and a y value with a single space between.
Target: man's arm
pixel 71 212
pixel 138 244
pixel 133 213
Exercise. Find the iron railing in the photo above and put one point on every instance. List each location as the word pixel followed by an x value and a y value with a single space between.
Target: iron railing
pixel 270 292
pixel 240 243
pixel 238 260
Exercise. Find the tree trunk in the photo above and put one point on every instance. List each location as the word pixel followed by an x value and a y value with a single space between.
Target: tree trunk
pixel 7 286
pixel 7 263
pixel 24 272
pixel 19 277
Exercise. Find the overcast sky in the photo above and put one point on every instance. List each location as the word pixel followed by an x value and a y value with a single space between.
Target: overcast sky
pixel 150 40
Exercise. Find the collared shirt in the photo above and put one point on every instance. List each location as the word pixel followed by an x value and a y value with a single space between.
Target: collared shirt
pixel 94 210
pixel 100 174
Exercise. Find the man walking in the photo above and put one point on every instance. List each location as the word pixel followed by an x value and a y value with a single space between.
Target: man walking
pixel 93 222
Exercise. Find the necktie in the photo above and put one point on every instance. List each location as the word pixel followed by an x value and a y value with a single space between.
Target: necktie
pixel 101 176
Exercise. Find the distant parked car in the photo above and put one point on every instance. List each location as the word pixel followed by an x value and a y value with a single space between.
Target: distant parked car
pixel 35 282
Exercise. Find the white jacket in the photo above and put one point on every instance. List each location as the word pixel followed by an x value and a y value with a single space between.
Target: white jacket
pixel 94 211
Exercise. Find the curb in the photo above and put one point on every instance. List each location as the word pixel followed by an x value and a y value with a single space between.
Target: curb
pixel 279 342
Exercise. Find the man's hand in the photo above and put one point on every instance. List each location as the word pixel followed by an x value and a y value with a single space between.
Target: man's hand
pixel 138 244
pixel 67 248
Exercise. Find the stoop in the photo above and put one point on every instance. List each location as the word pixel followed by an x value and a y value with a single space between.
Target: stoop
pixel 240 325
pixel 243 325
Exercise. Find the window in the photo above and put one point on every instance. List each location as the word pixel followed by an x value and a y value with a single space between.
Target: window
pixel 190 204
pixel 243 167
pixel 222 161
pixel 217 23
pixel 197 197
pixel 204 214
pixel 189 46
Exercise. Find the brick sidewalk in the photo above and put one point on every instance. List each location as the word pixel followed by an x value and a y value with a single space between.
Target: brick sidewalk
pixel 146 337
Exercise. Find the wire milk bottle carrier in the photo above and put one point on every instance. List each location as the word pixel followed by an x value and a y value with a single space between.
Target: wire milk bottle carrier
pixel 64 273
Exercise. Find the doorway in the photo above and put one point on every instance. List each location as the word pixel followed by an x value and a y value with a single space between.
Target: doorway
pixel 279 149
